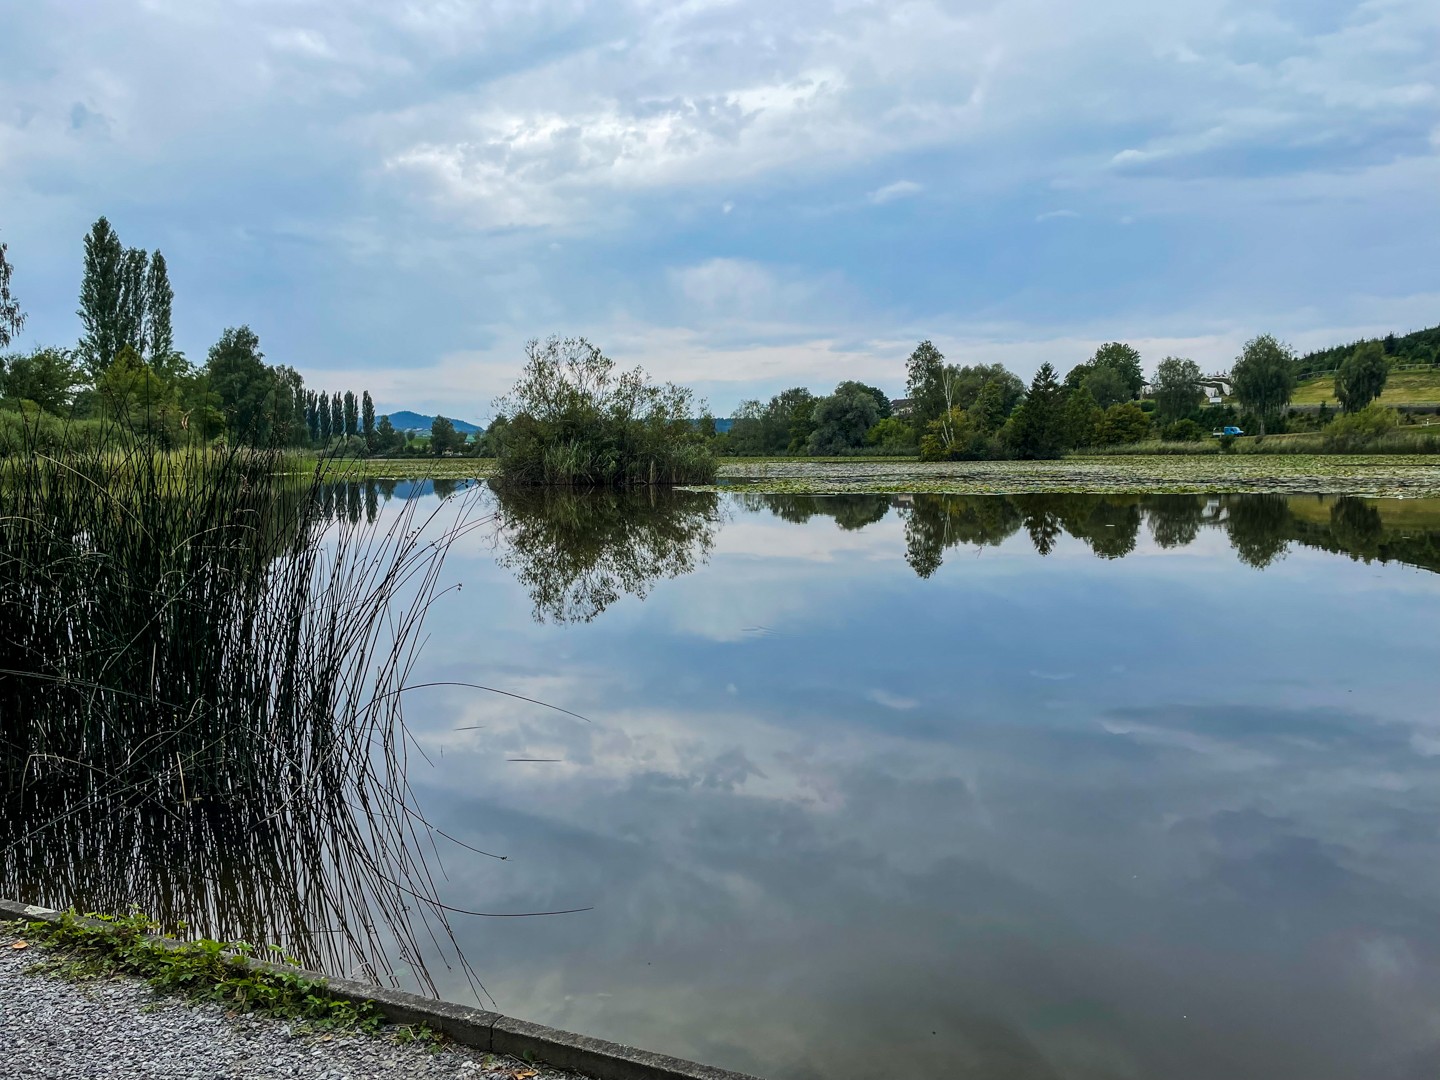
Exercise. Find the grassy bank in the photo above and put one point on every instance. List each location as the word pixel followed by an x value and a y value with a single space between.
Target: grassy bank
pixel 1401 388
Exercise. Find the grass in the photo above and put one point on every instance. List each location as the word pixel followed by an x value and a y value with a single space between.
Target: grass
pixel 101 946
pixel 1402 388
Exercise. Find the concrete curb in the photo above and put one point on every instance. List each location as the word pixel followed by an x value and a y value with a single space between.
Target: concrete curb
pixel 474 1027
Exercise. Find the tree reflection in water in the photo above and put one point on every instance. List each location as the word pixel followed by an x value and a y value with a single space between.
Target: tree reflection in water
pixel 576 553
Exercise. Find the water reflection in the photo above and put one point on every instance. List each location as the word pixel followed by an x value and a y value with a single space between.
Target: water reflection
pixel 577 554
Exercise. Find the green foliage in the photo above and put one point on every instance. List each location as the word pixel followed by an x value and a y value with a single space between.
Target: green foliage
pixel 1264 378
pixel 1124 423
pixel 352 414
pixel 1124 361
pixel 367 420
pixel 158 333
pixel 444 438
pixel 139 400
pixel 100 298
pixel 12 318
pixel 925 384
pixel 1356 430
pixel 1361 377
pixel 203 970
pixel 1177 388
pixel 337 416
pixel 1080 418
pixel 892 435
pixel 46 376
pixel 1107 386
pixel 882 399
pixel 1036 430
pixel 1185 430
pixel 240 379
pixel 841 420
pixel 572 420
pixel 1418 347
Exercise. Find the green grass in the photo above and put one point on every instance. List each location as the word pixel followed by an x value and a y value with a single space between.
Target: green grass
pixel 1402 388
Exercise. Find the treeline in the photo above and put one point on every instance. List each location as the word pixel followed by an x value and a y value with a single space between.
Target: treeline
pixel 125 372
pixel 1420 347
pixel 954 412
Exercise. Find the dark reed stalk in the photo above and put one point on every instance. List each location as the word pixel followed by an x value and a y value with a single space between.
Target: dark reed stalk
pixel 201 684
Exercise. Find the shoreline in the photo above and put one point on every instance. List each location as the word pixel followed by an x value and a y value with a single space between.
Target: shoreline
pixel 566 1053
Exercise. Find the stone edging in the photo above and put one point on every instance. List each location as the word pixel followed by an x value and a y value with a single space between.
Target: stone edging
pixel 476 1028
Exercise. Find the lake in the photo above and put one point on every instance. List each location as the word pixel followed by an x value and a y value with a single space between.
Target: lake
pixel 981 786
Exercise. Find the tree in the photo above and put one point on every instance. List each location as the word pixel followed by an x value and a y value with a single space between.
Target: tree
pixel 1264 377
pixel 352 415
pixel 237 374
pixel 1124 422
pixel 135 395
pixel 385 434
pixel 323 417
pixel 1177 388
pixel 965 385
pixel 100 299
pixel 1361 376
pixel 1124 360
pixel 991 407
pixel 159 335
pixel 131 328
pixel 842 419
pixel 367 419
pixel 1035 431
pixel 44 376
pixel 443 436
pixel 12 319
pixel 1107 386
pixel 337 416
pixel 312 416
pixel 1080 418
pixel 882 399
pixel 925 384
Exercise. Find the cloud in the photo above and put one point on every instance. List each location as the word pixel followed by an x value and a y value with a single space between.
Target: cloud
pixel 402 194
pixel 901 189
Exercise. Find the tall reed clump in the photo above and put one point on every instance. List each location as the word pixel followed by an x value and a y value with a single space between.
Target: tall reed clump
pixel 572 421
pixel 201 680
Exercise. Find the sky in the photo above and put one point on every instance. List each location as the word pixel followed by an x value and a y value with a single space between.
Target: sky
pixel 740 195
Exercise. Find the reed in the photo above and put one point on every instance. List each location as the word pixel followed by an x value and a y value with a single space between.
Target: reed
pixel 201 686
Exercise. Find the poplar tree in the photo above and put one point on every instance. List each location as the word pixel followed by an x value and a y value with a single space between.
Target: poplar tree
pixel 352 415
pixel 322 414
pixel 367 418
pixel 158 333
pixel 100 299
pixel 312 416
pixel 337 416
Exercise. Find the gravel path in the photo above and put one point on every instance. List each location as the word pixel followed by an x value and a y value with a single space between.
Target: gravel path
pixel 56 1030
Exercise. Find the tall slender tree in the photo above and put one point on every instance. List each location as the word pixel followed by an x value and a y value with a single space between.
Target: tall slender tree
pixel 100 299
pixel 1037 429
pixel 12 319
pixel 337 416
pixel 352 414
pixel 322 412
pixel 312 416
pixel 131 330
pixel 159 335
pixel 367 418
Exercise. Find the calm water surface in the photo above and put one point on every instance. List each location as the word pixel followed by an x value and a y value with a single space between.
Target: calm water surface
pixel 1045 787
pixel 1034 787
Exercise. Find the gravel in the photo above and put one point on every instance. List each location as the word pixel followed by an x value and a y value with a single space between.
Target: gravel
pixel 58 1030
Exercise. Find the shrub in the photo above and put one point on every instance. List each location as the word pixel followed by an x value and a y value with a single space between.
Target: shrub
pixel 1124 423
pixel 1183 431
pixel 574 422
pixel 1360 428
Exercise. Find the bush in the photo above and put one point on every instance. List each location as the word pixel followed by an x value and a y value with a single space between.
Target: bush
pixel 1183 431
pixel 1360 428
pixel 1124 423
pixel 574 422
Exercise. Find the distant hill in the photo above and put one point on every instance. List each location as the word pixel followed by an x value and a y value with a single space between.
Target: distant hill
pixel 1417 347
pixel 405 420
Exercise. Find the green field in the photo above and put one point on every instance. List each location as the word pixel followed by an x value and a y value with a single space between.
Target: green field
pixel 1402 388
pixel 1335 474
